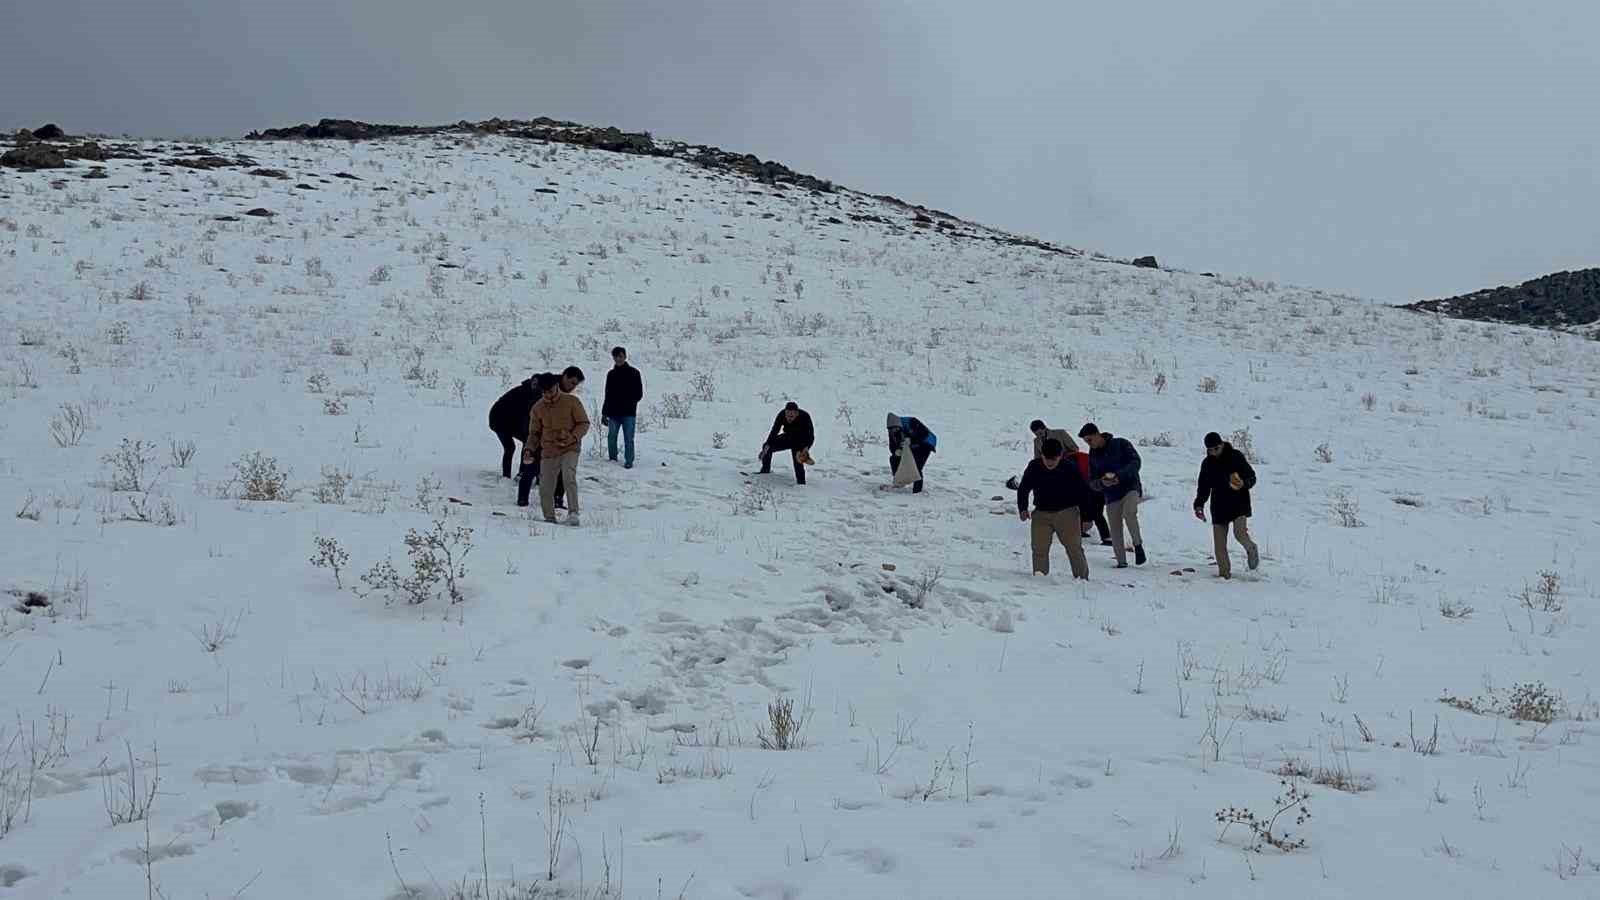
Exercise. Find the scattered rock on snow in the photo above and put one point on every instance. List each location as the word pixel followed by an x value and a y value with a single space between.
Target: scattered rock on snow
pixel 1146 262
pixel 50 132
pixel 32 157
pixel 261 213
pixel 269 173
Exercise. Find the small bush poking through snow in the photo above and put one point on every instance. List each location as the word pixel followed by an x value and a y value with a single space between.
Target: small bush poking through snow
pixel 437 555
pixel 1543 595
pixel 783 729
pixel 330 555
pixel 335 484
pixel 256 476
pixel 1346 509
pixel 68 428
pixel 128 464
pixel 675 406
pixel 1264 829
pixel 182 452
pixel 1245 444
pixel 1525 702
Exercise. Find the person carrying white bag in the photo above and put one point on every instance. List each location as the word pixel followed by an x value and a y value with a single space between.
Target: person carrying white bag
pixel 908 433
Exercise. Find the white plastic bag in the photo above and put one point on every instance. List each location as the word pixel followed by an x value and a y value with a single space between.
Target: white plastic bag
pixel 906 471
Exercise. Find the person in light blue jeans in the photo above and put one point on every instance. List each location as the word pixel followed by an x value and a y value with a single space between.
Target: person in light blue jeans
pixel 620 408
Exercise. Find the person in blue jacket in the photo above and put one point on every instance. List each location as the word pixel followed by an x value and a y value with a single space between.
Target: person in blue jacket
pixel 908 432
pixel 1114 471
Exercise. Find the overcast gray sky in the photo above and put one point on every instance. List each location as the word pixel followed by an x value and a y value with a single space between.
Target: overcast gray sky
pixel 1398 149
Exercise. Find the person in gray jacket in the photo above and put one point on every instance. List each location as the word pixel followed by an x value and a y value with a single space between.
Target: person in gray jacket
pixel 1114 472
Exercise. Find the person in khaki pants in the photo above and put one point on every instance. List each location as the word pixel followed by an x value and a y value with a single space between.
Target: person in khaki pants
pixel 1226 478
pixel 1114 473
pixel 1058 489
pixel 556 427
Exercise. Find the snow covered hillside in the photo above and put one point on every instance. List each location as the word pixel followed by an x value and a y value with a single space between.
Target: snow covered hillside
pixel 192 396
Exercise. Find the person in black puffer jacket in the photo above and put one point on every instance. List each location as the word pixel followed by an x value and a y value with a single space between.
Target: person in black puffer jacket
pixel 1226 478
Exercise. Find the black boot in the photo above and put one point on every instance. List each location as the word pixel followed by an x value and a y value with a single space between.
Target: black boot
pixel 1138 554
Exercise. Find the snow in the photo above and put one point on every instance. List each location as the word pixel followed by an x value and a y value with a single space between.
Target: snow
pixel 1006 736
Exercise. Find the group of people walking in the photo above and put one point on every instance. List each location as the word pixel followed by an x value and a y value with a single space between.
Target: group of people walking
pixel 1072 490
pixel 551 423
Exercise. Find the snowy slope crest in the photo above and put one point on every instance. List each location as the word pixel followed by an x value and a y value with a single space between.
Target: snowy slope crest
pixel 193 396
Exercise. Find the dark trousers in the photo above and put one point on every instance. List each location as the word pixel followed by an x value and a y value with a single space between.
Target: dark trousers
pixel 528 476
pixel 1094 510
pixel 784 442
pixel 920 454
pixel 508 443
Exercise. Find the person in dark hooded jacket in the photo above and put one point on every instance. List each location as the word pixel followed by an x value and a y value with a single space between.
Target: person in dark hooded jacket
pixel 508 419
pixel 1226 478
pixel 908 432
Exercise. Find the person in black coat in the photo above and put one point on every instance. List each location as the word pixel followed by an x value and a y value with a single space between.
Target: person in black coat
pixel 620 409
pixel 1059 490
pixel 1226 478
pixel 508 419
pixel 792 431
pixel 908 432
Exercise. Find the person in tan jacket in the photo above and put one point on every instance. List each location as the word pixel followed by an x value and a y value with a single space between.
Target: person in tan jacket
pixel 556 428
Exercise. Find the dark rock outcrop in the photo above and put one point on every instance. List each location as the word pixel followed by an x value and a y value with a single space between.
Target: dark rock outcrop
pixel 34 156
pixel 1146 262
pixel 1562 300
pixel 51 132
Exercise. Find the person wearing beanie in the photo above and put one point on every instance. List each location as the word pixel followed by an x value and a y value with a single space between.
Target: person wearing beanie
pixel 908 433
pixel 1226 478
pixel 1058 489
pixel 792 431
pixel 1114 473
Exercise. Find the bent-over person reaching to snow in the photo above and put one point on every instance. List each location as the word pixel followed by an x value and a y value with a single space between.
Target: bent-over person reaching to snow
pixel 792 431
pixel 1226 478
pixel 909 433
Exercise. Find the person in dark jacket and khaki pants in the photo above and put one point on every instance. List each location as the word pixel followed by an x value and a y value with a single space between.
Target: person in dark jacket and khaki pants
pixel 1226 478
pixel 1058 490
pixel 1114 471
